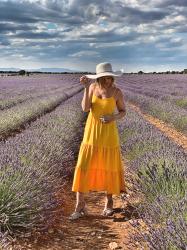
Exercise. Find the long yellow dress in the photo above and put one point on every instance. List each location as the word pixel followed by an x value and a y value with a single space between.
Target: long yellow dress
pixel 100 166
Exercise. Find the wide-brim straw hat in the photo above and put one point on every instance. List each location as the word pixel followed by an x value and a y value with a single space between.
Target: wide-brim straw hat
pixel 104 69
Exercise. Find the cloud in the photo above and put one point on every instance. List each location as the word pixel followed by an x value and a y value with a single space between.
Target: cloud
pixel 11 27
pixel 78 31
pixel 168 3
pixel 85 53
pixel 35 35
pixel 4 41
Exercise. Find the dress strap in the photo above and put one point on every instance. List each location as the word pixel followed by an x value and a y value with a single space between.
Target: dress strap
pixel 115 90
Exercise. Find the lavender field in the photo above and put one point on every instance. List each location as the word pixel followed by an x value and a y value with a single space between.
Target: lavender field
pixel 41 127
pixel 158 167
pixel 18 111
pixel 162 96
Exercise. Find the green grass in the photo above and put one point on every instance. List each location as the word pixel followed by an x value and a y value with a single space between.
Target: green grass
pixel 160 114
pixel 139 149
pixel 181 102
pixel 162 178
pixel 127 133
pixel 181 124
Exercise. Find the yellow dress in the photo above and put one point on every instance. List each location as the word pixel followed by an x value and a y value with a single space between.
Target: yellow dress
pixel 100 166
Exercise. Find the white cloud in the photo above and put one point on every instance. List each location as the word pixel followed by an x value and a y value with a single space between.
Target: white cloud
pixel 85 53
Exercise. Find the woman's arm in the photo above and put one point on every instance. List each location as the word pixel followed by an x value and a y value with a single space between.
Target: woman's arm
pixel 120 106
pixel 87 98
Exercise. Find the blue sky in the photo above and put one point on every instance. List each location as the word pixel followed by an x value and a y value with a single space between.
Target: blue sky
pixel 148 35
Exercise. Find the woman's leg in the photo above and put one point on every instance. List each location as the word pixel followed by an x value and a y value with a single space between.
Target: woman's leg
pixel 80 202
pixel 80 207
pixel 109 201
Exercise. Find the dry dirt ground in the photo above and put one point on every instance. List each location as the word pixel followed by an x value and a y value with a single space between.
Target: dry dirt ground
pixel 93 231
pixel 96 231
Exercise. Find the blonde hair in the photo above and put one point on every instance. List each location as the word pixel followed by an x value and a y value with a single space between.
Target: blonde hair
pixel 101 80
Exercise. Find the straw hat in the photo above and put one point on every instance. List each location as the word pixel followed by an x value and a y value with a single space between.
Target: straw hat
pixel 104 69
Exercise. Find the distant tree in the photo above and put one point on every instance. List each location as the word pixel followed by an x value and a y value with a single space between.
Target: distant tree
pixel 140 72
pixel 185 71
pixel 21 72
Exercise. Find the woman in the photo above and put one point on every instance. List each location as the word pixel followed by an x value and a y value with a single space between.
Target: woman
pixel 99 165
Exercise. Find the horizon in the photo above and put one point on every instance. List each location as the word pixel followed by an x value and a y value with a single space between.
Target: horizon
pixel 74 72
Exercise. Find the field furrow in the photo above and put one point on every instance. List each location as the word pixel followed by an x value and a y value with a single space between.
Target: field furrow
pixel 162 110
pixel 7 103
pixel 15 119
pixel 169 131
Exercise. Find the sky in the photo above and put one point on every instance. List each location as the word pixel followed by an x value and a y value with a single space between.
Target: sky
pixel 133 35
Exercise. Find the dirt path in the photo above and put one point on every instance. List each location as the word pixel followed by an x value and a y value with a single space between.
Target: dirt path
pixel 93 231
pixel 167 129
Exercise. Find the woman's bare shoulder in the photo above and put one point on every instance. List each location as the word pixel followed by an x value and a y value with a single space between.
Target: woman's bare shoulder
pixel 91 89
pixel 93 86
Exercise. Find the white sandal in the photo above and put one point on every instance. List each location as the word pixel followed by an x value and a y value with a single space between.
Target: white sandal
pixel 75 215
pixel 108 211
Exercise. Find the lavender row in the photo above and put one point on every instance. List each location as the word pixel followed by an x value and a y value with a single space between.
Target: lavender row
pixel 20 85
pixel 174 85
pixel 178 101
pixel 35 164
pixel 18 89
pixel 159 173
pixel 7 103
pixel 160 109
pixel 16 117
pixel 169 88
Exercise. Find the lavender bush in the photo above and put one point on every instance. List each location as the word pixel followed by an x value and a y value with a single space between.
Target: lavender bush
pixel 17 116
pixel 161 110
pixel 35 164
pixel 159 174
pixel 18 89
pixel 162 96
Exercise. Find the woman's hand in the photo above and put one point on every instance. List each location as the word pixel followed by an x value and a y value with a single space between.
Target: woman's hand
pixel 107 118
pixel 85 81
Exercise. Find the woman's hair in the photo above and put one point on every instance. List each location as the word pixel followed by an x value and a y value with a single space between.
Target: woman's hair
pixel 101 80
